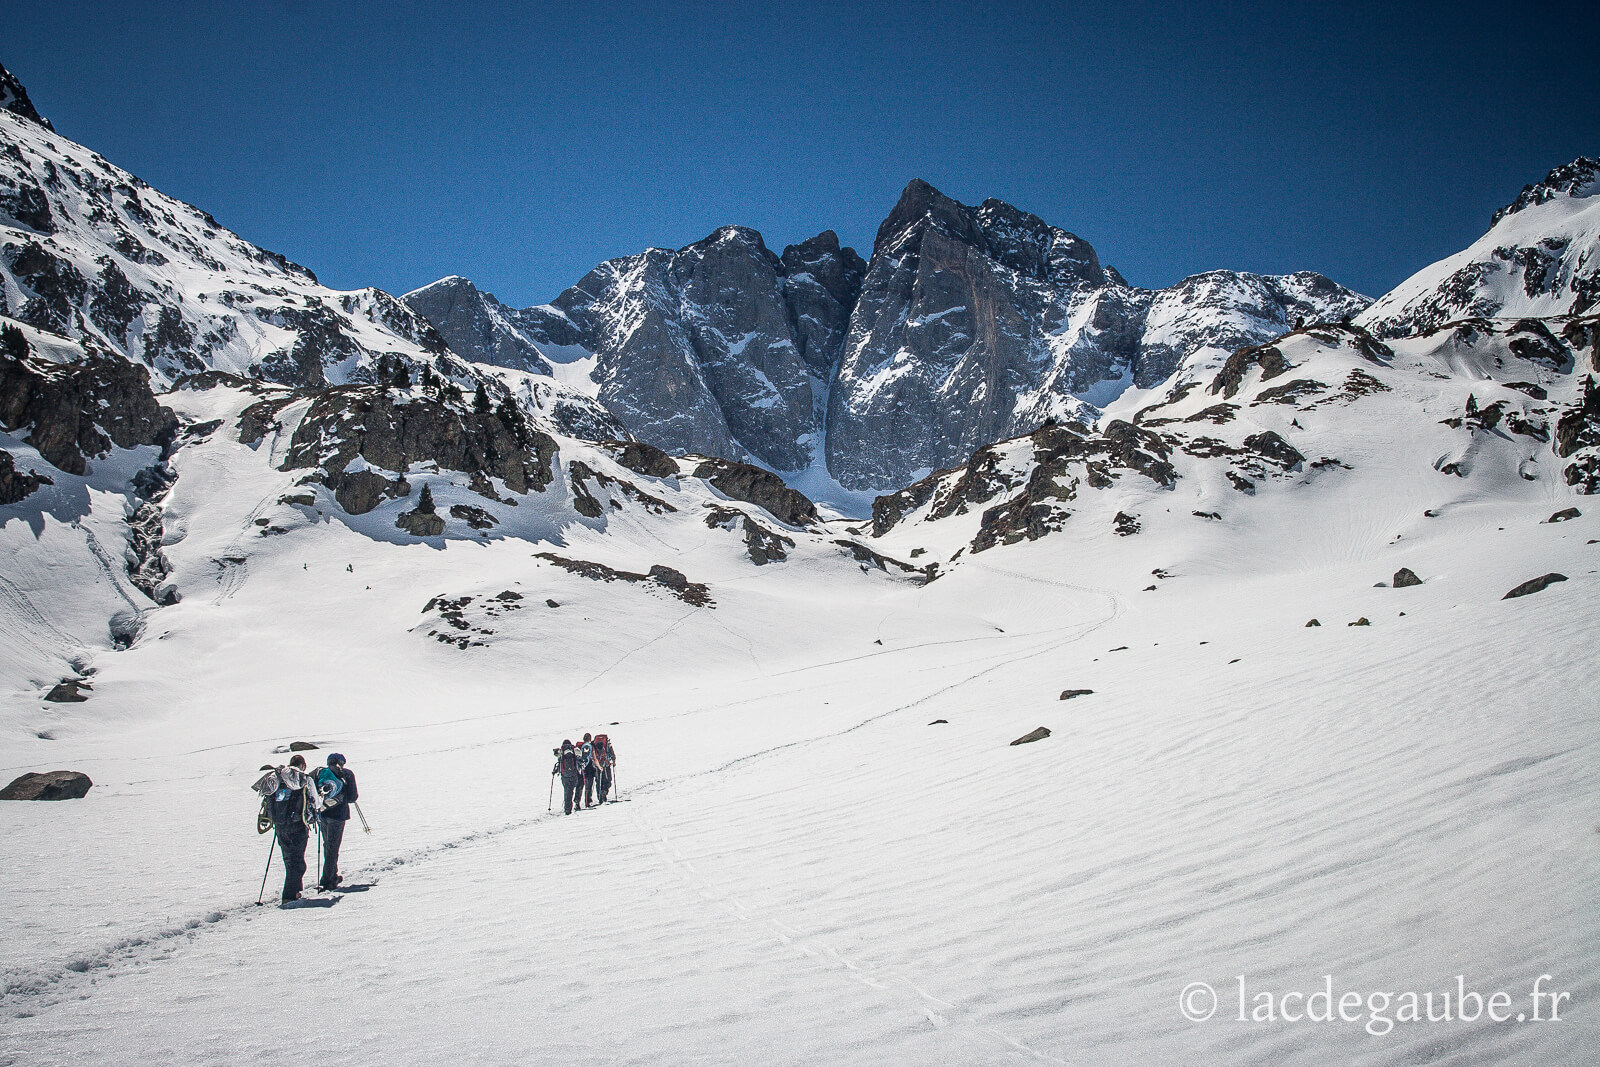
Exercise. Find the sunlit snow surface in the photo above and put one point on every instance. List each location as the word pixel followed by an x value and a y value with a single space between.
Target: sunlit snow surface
pixel 804 870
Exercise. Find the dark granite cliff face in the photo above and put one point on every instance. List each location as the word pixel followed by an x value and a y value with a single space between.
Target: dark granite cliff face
pixel 968 325
pixel 720 348
pixel 977 324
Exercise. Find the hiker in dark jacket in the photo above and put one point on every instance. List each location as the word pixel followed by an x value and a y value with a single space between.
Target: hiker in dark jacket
pixel 334 818
pixel 589 767
pixel 292 802
pixel 567 767
pixel 605 758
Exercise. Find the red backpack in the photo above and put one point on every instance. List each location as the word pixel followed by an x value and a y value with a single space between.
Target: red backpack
pixel 602 748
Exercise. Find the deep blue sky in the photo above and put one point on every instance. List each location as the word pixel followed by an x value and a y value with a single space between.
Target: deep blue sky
pixel 391 144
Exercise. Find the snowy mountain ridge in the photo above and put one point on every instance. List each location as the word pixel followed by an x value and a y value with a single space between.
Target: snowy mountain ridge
pixel 866 373
pixel 1540 258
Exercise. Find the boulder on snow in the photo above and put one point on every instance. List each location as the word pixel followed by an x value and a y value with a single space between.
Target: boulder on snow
pixel 1363 621
pixel 301 746
pixel 936 722
pixel 1313 622
pixel 1564 514
pixel 421 523
pixel 1068 694
pixel 51 785
pixel 1405 577
pixel 66 691
pixel 1535 585
pixel 1035 735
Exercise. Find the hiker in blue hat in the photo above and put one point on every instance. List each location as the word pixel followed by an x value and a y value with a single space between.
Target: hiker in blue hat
pixel 338 786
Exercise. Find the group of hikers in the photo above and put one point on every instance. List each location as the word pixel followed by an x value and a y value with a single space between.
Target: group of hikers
pixel 293 803
pixel 296 802
pixel 586 768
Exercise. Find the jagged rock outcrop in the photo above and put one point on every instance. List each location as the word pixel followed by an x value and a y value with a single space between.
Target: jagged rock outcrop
pixel 741 481
pixel 389 431
pixel 476 326
pixel 720 348
pixel 14 484
pixel 1049 467
pixel 14 98
pixel 77 411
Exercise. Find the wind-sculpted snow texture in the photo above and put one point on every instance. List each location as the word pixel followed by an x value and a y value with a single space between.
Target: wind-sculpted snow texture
pixel 1540 258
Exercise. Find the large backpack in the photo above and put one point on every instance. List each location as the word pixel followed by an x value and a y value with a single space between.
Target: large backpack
pixel 602 748
pixel 287 805
pixel 330 784
pixel 567 761
pixel 586 755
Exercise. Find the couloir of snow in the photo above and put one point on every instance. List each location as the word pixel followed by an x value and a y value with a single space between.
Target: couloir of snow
pixel 805 869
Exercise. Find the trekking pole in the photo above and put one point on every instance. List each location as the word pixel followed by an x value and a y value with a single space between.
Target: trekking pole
pixel 261 895
pixel 551 806
pixel 364 827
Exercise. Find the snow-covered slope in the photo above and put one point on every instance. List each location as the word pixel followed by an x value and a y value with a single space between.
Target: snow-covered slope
pixel 828 849
pixel 1299 731
pixel 1541 257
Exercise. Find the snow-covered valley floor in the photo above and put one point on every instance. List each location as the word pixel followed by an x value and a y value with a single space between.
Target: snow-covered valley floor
pixel 804 870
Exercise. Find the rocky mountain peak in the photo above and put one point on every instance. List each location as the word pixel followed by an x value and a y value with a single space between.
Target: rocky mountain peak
pixel 1579 178
pixel 837 270
pixel 14 98
pixel 921 206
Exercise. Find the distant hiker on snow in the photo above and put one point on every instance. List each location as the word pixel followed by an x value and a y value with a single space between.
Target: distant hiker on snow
pixel 291 802
pixel 337 784
pixel 605 758
pixel 567 766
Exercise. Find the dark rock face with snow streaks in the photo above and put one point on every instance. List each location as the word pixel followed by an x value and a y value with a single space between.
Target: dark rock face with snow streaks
pixel 968 325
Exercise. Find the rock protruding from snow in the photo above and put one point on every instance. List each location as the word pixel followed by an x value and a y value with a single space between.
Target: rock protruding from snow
pixel 1540 258
pixel 389 431
pixel 741 481
pixel 14 98
pixel 1535 585
pixel 74 411
pixel 50 785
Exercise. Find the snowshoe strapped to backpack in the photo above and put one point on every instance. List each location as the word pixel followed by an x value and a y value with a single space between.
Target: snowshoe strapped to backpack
pixel 329 785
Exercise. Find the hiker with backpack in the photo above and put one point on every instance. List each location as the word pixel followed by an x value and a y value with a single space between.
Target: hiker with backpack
pixel 291 801
pixel 571 774
pixel 606 760
pixel 337 785
pixel 589 768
